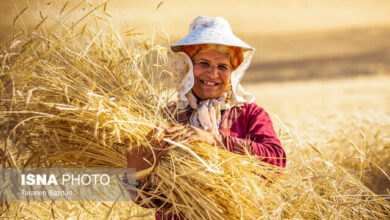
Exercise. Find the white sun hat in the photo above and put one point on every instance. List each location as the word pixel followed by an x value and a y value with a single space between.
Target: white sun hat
pixel 209 30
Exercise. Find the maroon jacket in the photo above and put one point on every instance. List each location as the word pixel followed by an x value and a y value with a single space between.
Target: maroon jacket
pixel 247 126
pixel 251 127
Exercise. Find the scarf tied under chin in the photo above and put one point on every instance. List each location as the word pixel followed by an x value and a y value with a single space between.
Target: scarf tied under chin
pixel 207 113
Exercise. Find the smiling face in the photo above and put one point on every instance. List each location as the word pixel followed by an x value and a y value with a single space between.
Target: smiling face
pixel 212 70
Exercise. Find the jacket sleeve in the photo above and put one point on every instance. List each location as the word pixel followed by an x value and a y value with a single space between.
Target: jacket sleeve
pixel 261 139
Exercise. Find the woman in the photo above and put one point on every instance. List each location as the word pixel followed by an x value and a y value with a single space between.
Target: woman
pixel 214 108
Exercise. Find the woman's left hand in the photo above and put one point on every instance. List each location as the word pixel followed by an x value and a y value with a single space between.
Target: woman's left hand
pixel 194 134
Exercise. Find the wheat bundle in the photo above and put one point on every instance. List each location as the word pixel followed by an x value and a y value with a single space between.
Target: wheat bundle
pixel 69 101
pixel 70 96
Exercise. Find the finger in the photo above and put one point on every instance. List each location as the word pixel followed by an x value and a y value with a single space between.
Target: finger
pixel 176 138
pixel 161 136
pixel 202 139
pixel 128 152
pixel 161 153
pixel 127 141
pixel 150 134
pixel 191 127
pixel 191 140
pixel 198 130
pixel 174 129
pixel 154 140
pixel 164 145
pixel 193 130
pixel 195 139
pixel 163 148
pixel 158 130
pixel 181 132
pixel 155 130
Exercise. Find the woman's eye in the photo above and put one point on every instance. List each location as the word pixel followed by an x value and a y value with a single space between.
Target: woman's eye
pixel 222 67
pixel 204 64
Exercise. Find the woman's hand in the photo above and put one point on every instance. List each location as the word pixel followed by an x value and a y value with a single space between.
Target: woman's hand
pixel 143 157
pixel 194 134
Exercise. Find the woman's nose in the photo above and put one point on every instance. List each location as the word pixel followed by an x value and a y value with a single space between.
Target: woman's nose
pixel 213 71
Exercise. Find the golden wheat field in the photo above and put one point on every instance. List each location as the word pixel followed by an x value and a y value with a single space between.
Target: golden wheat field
pixel 80 76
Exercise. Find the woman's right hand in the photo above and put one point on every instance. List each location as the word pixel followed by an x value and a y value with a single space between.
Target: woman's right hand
pixel 143 157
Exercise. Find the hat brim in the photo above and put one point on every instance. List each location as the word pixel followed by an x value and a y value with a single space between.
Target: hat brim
pixel 210 36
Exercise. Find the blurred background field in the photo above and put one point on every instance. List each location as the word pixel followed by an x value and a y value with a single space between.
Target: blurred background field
pixel 321 68
pixel 345 120
pixel 296 39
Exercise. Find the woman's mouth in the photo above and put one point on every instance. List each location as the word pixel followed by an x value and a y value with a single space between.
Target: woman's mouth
pixel 207 83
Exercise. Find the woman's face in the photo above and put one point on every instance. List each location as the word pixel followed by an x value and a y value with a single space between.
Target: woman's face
pixel 212 72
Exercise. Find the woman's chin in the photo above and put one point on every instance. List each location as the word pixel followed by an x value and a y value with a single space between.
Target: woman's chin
pixel 208 96
pixel 208 93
